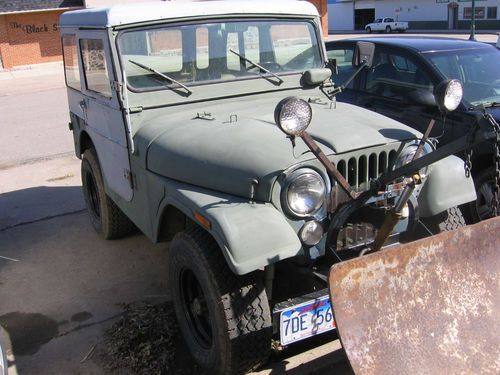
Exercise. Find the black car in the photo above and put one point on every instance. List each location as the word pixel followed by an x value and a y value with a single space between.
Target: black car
pixel 401 82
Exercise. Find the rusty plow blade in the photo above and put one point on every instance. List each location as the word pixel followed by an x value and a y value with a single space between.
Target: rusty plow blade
pixel 427 307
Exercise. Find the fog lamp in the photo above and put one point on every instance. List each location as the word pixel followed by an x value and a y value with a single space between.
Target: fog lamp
pixel 293 115
pixel 311 233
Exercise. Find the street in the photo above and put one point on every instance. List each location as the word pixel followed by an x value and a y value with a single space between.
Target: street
pixel 61 285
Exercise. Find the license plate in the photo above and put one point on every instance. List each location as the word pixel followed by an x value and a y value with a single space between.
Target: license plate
pixel 306 320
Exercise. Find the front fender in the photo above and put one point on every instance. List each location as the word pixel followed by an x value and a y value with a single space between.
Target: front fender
pixel 250 235
pixel 445 187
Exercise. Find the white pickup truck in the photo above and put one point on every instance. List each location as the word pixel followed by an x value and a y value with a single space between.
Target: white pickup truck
pixel 386 24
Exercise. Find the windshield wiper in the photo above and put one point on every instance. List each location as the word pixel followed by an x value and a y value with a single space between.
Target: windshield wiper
pixel 485 105
pixel 158 73
pixel 260 67
pixel 491 104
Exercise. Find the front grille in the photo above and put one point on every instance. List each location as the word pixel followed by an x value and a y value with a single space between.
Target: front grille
pixel 358 171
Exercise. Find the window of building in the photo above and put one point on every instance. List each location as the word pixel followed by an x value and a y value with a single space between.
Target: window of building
pixel 94 63
pixel 71 66
pixel 480 13
pixel 492 13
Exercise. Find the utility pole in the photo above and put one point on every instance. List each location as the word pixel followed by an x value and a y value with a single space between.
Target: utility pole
pixel 473 22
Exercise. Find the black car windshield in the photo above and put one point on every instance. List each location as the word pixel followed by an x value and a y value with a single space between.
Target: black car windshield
pixel 477 69
pixel 217 51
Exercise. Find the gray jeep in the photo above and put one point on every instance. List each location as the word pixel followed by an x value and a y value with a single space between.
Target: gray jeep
pixel 175 110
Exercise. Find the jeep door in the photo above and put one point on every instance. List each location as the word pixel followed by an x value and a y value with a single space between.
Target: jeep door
pixel 103 116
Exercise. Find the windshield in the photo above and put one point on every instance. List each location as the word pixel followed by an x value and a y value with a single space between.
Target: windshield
pixel 222 51
pixel 477 69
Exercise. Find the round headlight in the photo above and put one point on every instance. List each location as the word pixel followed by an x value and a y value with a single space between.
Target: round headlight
pixel 449 95
pixel 305 192
pixel 407 154
pixel 293 115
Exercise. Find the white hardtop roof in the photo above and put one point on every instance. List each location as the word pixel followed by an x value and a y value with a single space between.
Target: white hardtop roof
pixel 140 12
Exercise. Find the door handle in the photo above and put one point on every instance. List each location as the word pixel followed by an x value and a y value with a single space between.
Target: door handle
pixel 83 105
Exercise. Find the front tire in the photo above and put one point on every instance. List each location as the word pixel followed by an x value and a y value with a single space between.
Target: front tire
pixel 225 319
pixel 446 221
pixel 369 30
pixel 388 29
pixel 481 207
pixel 106 218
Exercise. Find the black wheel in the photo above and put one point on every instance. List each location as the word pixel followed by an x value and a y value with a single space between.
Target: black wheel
pixel 369 30
pixel 485 184
pixel 448 220
pixel 388 29
pixel 4 365
pixel 106 218
pixel 225 319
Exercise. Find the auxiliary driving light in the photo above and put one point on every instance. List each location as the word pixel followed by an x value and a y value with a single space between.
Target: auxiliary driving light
pixel 293 115
pixel 449 94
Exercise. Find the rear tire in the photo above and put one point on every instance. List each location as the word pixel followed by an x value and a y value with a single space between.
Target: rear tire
pixel 446 221
pixel 369 30
pixel 388 29
pixel 106 218
pixel 225 319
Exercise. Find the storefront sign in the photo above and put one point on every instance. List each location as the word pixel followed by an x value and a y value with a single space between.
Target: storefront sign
pixel 34 29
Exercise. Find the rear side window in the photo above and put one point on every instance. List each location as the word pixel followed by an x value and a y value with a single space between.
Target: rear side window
pixel 94 63
pixel 71 66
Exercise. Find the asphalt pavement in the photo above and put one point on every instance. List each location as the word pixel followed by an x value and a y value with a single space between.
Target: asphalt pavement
pixel 61 286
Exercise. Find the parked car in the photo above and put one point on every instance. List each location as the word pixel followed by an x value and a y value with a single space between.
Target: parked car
pixel 400 85
pixel 386 24
pixel 174 110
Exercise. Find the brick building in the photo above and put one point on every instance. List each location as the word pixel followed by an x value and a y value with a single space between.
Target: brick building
pixel 29 28
pixel 29 31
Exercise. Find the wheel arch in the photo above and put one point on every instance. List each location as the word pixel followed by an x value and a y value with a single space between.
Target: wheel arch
pixel 84 142
pixel 250 235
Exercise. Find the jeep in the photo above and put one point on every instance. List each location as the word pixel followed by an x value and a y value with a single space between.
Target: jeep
pixel 176 110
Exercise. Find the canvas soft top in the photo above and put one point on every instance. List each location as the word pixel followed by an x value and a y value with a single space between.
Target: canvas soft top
pixel 142 12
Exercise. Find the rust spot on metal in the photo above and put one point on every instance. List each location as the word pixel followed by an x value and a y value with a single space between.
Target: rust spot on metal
pixel 428 307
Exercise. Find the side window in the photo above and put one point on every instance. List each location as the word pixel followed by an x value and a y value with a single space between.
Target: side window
pixel 94 63
pixel 71 65
pixel 292 42
pixel 396 76
pixel 345 69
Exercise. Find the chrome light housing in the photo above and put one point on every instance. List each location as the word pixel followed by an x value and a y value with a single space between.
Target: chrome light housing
pixel 304 192
pixel 449 94
pixel 409 151
pixel 293 115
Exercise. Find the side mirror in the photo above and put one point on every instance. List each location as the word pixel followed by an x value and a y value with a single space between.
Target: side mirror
pixel 313 77
pixel 364 52
pixel 448 95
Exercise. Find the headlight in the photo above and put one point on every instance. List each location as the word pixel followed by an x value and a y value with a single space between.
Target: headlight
pixel 293 115
pixel 304 193
pixel 407 154
pixel 449 95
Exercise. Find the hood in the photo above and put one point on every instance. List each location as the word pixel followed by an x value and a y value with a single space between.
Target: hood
pixel 239 149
